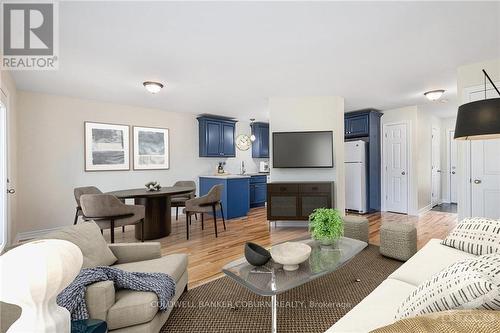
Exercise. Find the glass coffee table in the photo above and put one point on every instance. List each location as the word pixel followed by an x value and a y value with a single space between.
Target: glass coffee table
pixel 271 279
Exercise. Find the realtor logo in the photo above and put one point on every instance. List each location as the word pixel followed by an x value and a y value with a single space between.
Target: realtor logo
pixel 30 36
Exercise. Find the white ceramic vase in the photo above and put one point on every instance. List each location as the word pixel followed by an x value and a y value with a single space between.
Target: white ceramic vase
pixel 32 275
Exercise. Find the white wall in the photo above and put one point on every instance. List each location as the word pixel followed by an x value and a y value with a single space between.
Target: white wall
pixel 312 114
pixel 51 157
pixel 470 75
pixel 8 86
pixel 447 125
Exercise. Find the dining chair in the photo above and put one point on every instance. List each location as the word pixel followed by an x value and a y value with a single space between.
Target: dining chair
pixel 79 191
pixel 109 212
pixel 209 203
pixel 180 200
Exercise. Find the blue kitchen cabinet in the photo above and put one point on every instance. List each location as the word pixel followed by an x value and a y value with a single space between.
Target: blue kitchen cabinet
pixel 235 196
pixel 258 190
pixel 260 147
pixel 216 137
pixel 356 126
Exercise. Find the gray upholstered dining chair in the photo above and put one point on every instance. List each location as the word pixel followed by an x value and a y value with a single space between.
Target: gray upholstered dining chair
pixel 109 212
pixel 209 203
pixel 180 200
pixel 79 191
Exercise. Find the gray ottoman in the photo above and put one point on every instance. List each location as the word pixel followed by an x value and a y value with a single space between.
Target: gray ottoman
pixel 398 240
pixel 356 227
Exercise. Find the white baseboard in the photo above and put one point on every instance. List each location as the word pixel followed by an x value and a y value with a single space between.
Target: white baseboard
pixel 446 201
pixel 424 210
pixel 27 235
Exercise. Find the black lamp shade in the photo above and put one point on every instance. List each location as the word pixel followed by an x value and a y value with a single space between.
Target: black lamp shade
pixel 479 120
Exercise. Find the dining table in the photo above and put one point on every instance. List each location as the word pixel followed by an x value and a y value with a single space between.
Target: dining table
pixel 158 217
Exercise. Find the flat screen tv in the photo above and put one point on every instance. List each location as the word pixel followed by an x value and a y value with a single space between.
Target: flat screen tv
pixel 303 149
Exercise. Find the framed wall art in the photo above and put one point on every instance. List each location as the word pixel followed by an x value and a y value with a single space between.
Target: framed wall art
pixel 151 148
pixel 107 147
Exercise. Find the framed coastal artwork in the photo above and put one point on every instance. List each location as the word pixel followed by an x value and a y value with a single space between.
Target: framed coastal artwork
pixel 151 150
pixel 107 147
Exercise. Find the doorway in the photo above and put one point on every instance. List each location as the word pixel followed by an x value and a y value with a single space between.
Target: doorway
pixel 482 180
pixel 3 172
pixel 395 169
pixel 436 168
pixel 452 168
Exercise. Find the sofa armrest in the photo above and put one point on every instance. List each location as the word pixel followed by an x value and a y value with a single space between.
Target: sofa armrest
pixel 132 252
pixel 99 297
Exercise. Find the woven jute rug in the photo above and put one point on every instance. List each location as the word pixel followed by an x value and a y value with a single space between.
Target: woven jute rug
pixel 224 306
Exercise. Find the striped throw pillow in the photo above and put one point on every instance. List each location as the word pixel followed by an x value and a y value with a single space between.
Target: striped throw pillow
pixel 468 284
pixel 475 235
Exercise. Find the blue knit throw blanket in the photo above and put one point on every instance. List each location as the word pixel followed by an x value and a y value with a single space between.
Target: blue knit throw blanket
pixel 73 296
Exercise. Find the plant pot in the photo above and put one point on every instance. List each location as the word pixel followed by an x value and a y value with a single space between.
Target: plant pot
pixel 256 255
pixel 330 243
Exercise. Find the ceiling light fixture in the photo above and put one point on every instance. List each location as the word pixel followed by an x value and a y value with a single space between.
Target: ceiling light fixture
pixel 434 95
pixel 479 120
pixel 252 137
pixel 152 87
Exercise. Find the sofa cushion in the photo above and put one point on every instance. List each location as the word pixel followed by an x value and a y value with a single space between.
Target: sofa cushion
pixel 475 235
pixel 456 321
pixel 132 308
pixel 431 259
pixel 87 236
pixel 136 307
pixel 375 310
pixel 467 284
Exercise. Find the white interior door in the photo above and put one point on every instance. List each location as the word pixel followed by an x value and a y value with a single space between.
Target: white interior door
pixel 485 171
pixel 396 167
pixel 436 167
pixel 452 146
pixel 3 173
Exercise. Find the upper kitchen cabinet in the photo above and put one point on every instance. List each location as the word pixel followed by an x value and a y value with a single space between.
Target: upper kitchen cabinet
pixel 260 147
pixel 216 137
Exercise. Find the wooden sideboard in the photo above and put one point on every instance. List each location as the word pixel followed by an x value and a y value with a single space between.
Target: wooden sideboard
pixel 294 201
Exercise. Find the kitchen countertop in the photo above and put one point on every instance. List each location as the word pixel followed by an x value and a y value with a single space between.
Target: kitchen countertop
pixel 225 176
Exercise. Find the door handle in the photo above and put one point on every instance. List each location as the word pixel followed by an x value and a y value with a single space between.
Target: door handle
pixel 403 173
pixel 477 181
pixel 438 171
pixel 453 172
pixel 11 191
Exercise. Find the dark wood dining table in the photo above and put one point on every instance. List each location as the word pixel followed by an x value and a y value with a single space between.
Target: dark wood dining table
pixel 158 219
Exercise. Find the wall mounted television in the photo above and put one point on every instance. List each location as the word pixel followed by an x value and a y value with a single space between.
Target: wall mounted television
pixel 303 149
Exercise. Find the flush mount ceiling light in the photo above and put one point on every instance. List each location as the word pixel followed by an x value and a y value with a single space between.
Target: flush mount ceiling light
pixel 479 120
pixel 152 87
pixel 434 95
pixel 252 137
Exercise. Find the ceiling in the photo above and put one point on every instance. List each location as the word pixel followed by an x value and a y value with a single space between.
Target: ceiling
pixel 228 58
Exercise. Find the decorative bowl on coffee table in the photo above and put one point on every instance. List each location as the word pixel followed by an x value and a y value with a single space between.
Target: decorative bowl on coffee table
pixel 290 254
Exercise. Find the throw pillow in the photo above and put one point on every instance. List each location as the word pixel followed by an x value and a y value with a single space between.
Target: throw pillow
pixel 468 284
pixel 475 235
pixel 87 236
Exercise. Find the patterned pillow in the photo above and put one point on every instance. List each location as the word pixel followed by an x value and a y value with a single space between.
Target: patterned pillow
pixel 475 235
pixel 468 284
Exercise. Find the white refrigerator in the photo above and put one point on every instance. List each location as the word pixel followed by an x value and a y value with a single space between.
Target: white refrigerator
pixel 355 176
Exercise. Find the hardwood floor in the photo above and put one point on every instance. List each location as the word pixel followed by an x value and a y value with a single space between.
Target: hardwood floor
pixel 207 254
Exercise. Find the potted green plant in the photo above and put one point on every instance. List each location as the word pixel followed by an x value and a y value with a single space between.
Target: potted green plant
pixel 326 225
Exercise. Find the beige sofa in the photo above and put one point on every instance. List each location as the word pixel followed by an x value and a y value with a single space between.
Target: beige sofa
pixel 379 307
pixel 125 311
